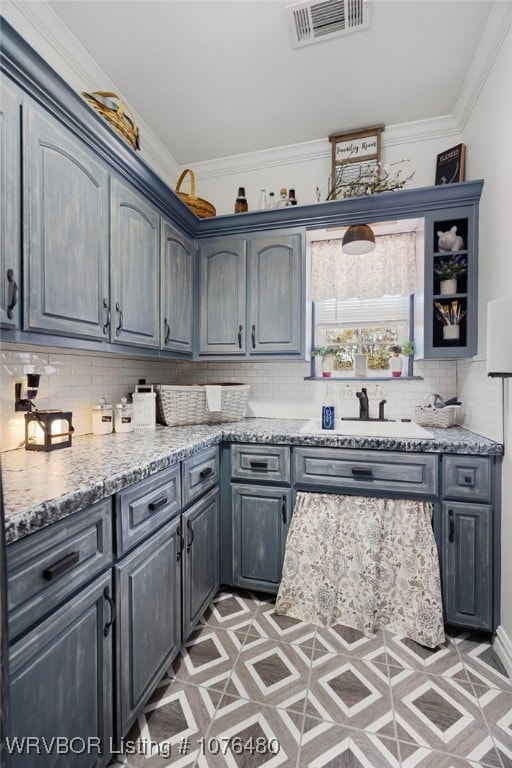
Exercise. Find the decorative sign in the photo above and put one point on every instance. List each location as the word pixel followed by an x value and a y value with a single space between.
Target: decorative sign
pixel 351 152
pixel 450 165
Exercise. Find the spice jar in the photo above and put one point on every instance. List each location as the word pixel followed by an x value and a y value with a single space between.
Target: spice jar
pixel 102 418
pixel 123 416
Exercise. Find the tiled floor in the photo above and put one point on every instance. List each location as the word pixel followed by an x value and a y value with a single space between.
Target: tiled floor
pixel 254 689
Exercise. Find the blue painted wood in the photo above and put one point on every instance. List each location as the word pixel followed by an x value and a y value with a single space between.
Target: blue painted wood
pixel 176 296
pixel 467 564
pixel 261 463
pixel 261 518
pixel 148 627
pixel 198 474
pixel 467 477
pixel 61 681
pixel 66 237
pixel 200 570
pixel 31 594
pixel 10 254
pixel 135 268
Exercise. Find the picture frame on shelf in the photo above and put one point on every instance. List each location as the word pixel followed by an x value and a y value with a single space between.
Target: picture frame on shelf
pixel 351 151
pixel 451 165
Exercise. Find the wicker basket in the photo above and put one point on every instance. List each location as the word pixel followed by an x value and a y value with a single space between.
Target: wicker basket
pixel 435 417
pixel 180 405
pixel 112 108
pixel 201 208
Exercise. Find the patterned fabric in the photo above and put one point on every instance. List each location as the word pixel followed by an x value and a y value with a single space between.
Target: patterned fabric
pixel 366 563
pixel 389 269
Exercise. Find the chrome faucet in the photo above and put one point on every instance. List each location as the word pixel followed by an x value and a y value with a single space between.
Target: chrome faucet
pixel 363 404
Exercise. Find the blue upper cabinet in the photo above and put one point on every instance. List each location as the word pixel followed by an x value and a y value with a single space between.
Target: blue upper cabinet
pixel 176 290
pixel 66 235
pixel 251 296
pixel 135 268
pixel 9 206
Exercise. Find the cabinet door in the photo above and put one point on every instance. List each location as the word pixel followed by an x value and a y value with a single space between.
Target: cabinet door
pixel 200 531
pixel 176 290
pixel 451 319
pixel 61 682
pixel 135 268
pixel 10 183
pixel 148 621
pixel 66 233
pixel 222 298
pixel 261 517
pixel 274 315
pixel 467 564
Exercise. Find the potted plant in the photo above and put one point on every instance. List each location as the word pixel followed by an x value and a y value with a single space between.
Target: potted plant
pixel 326 353
pixel 448 271
pixel 398 352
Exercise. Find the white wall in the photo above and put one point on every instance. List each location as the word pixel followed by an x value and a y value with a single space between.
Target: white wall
pixel 489 156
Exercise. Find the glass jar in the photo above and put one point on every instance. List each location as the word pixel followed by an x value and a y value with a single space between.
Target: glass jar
pixel 123 416
pixel 102 418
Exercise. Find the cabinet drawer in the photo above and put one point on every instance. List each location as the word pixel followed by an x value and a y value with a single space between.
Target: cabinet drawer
pixel 46 567
pixel 467 478
pixel 265 463
pixel 199 473
pixel 374 471
pixel 145 506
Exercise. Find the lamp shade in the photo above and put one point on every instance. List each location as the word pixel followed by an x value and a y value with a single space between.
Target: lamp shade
pixel 358 239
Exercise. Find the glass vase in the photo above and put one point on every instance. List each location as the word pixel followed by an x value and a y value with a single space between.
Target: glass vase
pixel 396 363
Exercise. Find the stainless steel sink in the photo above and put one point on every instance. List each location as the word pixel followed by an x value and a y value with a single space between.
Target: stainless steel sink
pixel 404 429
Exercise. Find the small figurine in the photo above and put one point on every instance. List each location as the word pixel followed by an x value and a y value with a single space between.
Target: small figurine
pixel 450 241
pixel 283 201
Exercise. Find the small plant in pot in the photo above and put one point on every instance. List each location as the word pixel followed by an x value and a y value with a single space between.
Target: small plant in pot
pixel 327 354
pixel 398 352
pixel 448 271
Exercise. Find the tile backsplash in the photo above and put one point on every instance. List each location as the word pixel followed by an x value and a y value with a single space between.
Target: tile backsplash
pixel 74 381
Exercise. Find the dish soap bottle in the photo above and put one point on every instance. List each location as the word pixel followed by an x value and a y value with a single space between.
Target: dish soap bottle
pixel 328 409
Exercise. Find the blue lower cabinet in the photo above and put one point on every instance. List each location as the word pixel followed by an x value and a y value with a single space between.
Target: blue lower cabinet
pixel 61 685
pixel 200 556
pixel 467 564
pixel 261 517
pixel 148 636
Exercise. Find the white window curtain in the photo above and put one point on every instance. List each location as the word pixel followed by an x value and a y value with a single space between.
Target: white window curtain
pixel 390 269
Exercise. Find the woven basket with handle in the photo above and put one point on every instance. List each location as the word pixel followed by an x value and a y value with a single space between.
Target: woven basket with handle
pixel 201 208
pixel 112 108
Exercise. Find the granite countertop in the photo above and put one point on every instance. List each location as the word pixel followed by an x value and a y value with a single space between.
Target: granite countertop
pixel 41 488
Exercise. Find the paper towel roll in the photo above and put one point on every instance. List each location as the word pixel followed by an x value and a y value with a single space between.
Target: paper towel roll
pixel 499 337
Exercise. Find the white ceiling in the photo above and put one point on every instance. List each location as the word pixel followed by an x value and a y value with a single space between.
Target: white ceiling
pixel 217 78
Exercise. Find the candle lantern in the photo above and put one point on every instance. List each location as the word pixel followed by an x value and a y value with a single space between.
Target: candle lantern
pixel 48 430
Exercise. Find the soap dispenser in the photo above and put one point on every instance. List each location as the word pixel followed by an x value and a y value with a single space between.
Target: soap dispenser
pixel 328 408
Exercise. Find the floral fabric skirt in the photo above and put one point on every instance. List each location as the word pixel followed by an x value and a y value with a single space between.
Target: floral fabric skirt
pixel 366 563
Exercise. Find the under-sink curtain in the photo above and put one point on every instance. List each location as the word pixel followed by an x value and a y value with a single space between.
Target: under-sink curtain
pixel 366 563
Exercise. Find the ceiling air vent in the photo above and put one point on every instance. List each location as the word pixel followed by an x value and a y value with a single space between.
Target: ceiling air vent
pixel 312 22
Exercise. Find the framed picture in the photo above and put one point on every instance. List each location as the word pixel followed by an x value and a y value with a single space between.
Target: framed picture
pixel 450 165
pixel 351 153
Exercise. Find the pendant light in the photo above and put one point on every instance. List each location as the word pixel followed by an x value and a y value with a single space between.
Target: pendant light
pixel 358 239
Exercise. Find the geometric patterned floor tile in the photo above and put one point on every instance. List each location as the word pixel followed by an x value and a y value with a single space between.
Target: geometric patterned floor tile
pixel 352 642
pixel 403 652
pixel 419 757
pixel 334 746
pixel 251 735
pixel 497 708
pixel 272 672
pixel 484 666
pixel 231 610
pixel 207 657
pixel 440 714
pixel 348 692
pixel 286 629
pixel 180 717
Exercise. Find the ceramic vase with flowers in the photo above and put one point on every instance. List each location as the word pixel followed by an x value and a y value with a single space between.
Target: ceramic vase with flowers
pixel 398 352
pixel 326 356
pixel 448 270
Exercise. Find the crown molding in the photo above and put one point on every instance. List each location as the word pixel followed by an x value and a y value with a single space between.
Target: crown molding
pixel 44 31
pixel 495 31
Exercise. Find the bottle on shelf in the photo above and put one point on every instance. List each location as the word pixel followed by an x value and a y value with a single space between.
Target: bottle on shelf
pixel 283 201
pixel 291 197
pixel 263 200
pixel 328 408
pixel 271 200
pixel 241 201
